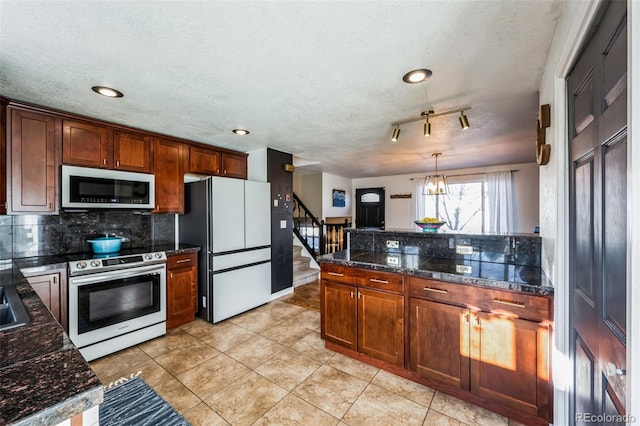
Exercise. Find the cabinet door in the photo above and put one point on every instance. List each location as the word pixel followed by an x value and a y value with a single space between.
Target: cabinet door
pixel 205 161
pixel 132 152
pixel 338 314
pixel 169 172
pixel 509 362
pixel 33 163
pixel 85 144
pixel 381 325
pixel 439 336
pixel 227 222
pixel 48 288
pixel 257 224
pixel 234 165
pixel 181 296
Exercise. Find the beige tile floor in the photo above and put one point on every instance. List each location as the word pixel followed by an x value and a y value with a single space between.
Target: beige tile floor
pixel 269 366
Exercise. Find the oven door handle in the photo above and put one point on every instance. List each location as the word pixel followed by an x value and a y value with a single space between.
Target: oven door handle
pixel 114 275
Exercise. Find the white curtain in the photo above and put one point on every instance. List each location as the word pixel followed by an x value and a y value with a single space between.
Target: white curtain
pixel 500 202
pixel 417 200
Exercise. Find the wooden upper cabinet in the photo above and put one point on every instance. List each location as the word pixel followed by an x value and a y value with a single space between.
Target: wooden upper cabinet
pixel 33 162
pixel 85 144
pixel 234 165
pixel 205 161
pixel 168 159
pixel 132 152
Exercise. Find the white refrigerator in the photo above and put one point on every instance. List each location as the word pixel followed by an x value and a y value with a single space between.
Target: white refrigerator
pixel 230 219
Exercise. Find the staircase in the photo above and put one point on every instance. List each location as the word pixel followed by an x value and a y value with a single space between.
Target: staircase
pixel 305 269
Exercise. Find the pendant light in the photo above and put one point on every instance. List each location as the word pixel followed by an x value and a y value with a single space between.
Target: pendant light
pixel 435 184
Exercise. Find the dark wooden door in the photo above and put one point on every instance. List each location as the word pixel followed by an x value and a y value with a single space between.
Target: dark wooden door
pixel 85 144
pixel 439 347
pixel 168 163
pixel 338 302
pixel 381 325
pixel 33 162
pixel 597 94
pixel 370 208
pixel 132 152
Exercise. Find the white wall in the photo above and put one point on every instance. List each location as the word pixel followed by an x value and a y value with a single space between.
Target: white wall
pixel 329 183
pixel 257 165
pixel 398 211
pixel 309 188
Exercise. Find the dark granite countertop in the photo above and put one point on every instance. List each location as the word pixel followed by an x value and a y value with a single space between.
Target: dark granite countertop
pixel 44 379
pixel 526 279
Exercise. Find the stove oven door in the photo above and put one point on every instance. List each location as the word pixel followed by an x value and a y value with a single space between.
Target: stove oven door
pixel 109 304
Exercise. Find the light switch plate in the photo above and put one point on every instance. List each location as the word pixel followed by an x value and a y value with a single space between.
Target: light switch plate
pixel 393 244
pixel 283 224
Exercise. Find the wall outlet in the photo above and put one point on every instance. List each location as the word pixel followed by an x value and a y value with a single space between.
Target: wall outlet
pixel 393 260
pixel 464 249
pixel 464 269
pixel 393 244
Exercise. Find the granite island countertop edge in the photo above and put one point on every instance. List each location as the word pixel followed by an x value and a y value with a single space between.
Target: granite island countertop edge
pixel 539 290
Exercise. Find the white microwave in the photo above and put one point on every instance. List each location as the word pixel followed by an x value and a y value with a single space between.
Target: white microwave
pixel 88 188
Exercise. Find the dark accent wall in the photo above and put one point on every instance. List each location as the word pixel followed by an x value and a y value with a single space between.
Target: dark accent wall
pixel 43 235
pixel 281 238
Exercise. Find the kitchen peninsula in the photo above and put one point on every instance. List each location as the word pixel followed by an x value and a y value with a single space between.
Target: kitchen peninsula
pixel 470 315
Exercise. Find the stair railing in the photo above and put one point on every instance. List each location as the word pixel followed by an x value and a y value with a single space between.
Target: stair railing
pixel 316 236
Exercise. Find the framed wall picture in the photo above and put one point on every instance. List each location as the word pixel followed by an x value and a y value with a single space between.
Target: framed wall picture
pixel 339 198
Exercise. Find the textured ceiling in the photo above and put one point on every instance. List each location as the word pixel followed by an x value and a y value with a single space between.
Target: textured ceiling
pixel 321 80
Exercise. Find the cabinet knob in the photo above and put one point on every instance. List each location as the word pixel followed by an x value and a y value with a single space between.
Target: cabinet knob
pixel 375 280
pixel 50 206
pixel 351 292
pixel 118 163
pixel 224 172
pixel 509 303
pixel 183 260
pixel 171 275
pixel 104 161
pixel 217 171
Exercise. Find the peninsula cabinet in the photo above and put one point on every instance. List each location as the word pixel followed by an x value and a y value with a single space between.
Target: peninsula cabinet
pixel 168 157
pixel 493 343
pixel 363 311
pixel 32 161
pixel 93 145
pixel 182 289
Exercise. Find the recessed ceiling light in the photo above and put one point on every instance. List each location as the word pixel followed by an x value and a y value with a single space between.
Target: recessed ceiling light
pixel 417 76
pixel 107 91
pixel 240 132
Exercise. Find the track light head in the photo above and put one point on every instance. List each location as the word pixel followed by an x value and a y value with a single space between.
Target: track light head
pixel 464 123
pixel 396 134
pixel 427 128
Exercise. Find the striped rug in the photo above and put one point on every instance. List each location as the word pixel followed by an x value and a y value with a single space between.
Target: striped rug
pixel 135 403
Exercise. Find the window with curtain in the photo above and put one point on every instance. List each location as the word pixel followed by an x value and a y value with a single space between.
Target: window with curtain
pixel 463 208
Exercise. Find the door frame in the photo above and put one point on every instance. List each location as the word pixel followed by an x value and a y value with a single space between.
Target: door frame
pixel 561 351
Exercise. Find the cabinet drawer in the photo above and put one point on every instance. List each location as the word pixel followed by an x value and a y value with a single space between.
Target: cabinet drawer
pixel 337 273
pixel 181 260
pixel 388 281
pixel 522 305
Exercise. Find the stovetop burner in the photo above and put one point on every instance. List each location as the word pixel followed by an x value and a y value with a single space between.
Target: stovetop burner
pixel 114 261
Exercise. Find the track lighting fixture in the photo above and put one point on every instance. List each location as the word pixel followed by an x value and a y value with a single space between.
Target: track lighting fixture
pixel 435 184
pixel 426 115
pixel 463 121
pixel 427 128
pixel 396 133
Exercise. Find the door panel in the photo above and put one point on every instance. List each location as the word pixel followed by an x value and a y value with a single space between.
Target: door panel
pixel 598 218
pixel 339 322
pixel 381 325
pixel 227 220
pixel 258 214
pixel 370 208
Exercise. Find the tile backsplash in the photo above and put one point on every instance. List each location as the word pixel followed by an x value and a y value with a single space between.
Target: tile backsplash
pixel 40 235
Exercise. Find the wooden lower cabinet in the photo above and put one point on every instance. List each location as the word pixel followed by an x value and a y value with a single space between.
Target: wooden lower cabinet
pixel 182 289
pixel 364 320
pixel 488 346
pixel 439 342
pixel 52 289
